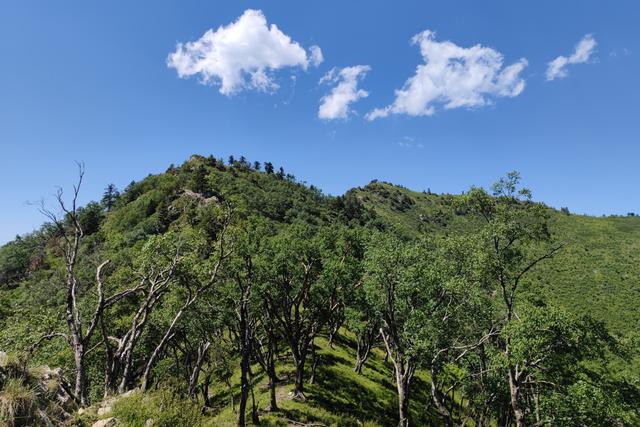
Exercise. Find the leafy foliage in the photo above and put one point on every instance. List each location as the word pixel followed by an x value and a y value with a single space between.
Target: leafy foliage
pixel 232 284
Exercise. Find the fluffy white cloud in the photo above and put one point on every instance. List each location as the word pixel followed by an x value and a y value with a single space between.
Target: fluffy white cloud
pixel 335 105
pixel 241 55
pixel 557 68
pixel 453 77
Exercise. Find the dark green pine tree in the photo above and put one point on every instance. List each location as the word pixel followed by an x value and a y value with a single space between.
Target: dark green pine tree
pixel 268 167
pixel 110 196
pixel 164 216
pixel 199 180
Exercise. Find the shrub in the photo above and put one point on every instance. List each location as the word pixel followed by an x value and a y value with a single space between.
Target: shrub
pixel 163 406
pixel 17 404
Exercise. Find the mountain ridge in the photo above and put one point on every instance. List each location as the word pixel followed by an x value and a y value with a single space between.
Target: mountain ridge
pixel 597 272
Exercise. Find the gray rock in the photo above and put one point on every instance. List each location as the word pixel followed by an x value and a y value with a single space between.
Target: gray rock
pixel 104 410
pixel 107 422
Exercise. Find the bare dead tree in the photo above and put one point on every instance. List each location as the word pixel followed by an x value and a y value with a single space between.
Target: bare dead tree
pixel 70 230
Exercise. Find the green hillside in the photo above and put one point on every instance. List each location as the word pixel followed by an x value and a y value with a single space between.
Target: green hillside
pixel 596 272
pixel 231 281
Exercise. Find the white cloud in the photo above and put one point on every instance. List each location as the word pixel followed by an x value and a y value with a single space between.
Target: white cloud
pixel 557 68
pixel 316 55
pixel 241 55
pixel 335 105
pixel 453 77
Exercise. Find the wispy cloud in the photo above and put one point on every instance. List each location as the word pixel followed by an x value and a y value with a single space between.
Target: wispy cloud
pixel 557 68
pixel 242 55
pixel 409 142
pixel 618 53
pixel 336 104
pixel 453 77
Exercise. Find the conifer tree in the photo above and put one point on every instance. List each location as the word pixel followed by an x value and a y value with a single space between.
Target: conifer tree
pixel 110 196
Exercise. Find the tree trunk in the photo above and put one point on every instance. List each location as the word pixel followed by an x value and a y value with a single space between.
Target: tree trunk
pixel 204 387
pixel 273 405
pixel 314 363
pixel 403 368
pixel 359 362
pixel 402 381
pixel 127 379
pixel 273 377
pixel 80 389
pixel 168 335
pixel 110 387
pixel 404 372
pixel 438 400
pixel 255 419
pixel 514 392
pixel 109 364
pixel 193 380
pixel 333 330
pixel 266 358
pixel 233 402
pixel 358 366
pixel 298 390
pixel 244 386
pixel 363 350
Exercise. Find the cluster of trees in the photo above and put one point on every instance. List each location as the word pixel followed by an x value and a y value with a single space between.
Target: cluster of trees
pixel 454 306
pixel 226 288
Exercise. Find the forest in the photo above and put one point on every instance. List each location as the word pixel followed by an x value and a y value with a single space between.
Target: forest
pixel 226 292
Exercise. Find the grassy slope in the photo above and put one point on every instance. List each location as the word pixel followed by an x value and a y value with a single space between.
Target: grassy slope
pixel 339 397
pixel 597 272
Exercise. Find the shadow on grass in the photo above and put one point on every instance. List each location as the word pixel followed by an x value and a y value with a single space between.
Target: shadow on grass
pixel 339 396
pixel 370 396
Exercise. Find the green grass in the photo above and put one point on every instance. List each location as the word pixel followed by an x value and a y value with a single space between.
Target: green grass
pixel 164 407
pixel 598 271
pixel 339 396
pixel 17 403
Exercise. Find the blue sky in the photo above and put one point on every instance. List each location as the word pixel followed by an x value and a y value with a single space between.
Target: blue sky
pixel 91 81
